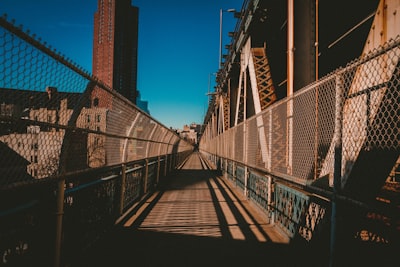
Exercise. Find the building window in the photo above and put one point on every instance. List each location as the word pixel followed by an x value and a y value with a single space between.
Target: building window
pixel 88 118
pixel 96 102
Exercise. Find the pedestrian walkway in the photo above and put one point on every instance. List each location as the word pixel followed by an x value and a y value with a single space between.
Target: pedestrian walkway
pixel 195 219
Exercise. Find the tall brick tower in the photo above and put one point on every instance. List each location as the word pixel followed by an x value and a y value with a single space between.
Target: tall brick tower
pixel 115 46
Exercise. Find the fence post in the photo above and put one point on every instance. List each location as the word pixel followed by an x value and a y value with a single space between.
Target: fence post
pixel 246 181
pixel 245 157
pixel 158 169
pixel 170 162
pixel 59 220
pixel 269 199
pixel 146 175
pixel 123 184
pixel 337 172
pixel 165 165
pixel 225 168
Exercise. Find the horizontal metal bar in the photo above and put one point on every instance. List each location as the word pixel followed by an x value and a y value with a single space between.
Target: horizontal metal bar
pixel 368 90
pixel 19 208
pixel 134 169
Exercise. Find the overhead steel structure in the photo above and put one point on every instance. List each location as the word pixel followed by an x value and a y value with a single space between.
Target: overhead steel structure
pixel 306 105
pixel 259 71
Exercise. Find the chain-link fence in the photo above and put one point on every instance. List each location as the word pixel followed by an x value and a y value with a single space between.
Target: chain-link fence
pixel 56 117
pixel 300 146
pixel 330 151
pixel 74 154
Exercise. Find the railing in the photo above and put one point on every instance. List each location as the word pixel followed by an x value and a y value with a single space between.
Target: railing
pixel 75 154
pixel 94 200
pixel 343 133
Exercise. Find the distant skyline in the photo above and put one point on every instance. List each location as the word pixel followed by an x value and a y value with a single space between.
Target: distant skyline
pixel 178 46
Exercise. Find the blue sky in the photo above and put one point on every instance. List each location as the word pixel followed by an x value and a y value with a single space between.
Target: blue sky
pixel 178 46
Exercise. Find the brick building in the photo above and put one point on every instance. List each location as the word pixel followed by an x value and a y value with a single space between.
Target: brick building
pixel 115 45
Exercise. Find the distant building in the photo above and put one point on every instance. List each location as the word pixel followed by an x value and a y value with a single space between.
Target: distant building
pixel 10 110
pixel 190 132
pixel 196 127
pixel 36 145
pixel 143 105
pixel 39 146
pixel 115 49
pixel 40 149
pixel 17 103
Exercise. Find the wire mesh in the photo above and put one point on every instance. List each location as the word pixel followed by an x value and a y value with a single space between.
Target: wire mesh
pixel 56 117
pixel 294 139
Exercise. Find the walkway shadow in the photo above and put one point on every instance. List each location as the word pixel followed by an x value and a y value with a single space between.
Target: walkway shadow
pixel 195 219
pixel 132 247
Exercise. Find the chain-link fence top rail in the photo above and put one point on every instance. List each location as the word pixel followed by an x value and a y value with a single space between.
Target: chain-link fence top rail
pixel 362 99
pixel 55 117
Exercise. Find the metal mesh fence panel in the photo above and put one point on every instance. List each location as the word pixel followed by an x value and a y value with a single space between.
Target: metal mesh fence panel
pixel 64 131
pixel 55 116
pixel 239 142
pixel 337 137
pixel 279 139
pixel 252 142
pixel 304 131
pixel 371 120
pixel 295 137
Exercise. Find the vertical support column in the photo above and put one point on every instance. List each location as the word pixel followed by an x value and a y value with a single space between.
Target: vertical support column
pixel 337 173
pixel 268 163
pixel 225 167
pixel 245 95
pixel 290 47
pixel 169 163
pixel 238 96
pixel 316 93
pixel 158 169
pixel 246 179
pixel 304 43
pixel 165 165
pixel 269 199
pixel 316 40
pixel 62 170
pixel 290 80
pixel 245 140
pixel 146 176
pixel 234 172
pixel 59 220
pixel 123 185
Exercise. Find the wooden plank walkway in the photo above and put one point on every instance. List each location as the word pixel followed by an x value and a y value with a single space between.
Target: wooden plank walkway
pixel 195 219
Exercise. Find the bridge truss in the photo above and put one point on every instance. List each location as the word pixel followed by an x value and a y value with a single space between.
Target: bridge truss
pixel 333 142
